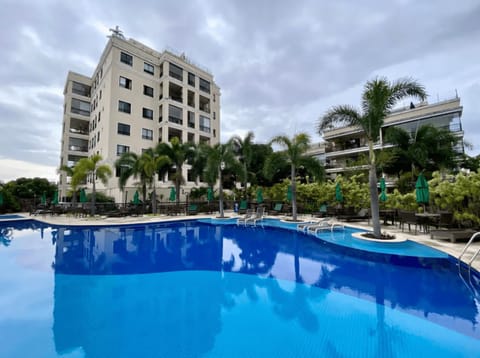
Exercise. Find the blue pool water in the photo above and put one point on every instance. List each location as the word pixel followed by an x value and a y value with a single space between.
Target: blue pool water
pixel 194 289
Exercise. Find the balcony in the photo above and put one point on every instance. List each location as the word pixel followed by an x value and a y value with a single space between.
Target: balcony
pixel 78 148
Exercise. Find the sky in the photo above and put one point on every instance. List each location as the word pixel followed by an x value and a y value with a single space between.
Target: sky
pixel 280 64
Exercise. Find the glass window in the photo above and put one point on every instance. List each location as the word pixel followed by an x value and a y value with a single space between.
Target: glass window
pixel 191 79
pixel 81 89
pixel 148 68
pixel 80 107
pixel 123 129
pixel 147 134
pixel 148 91
pixel 175 114
pixel 161 69
pixel 176 72
pixel 125 82
pixel 147 113
pixel 122 149
pixel 126 58
pixel 204 85
pixel 191 119
pixel 204 124
pixel 124 107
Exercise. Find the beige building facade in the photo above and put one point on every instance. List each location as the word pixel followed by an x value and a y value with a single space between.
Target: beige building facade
pixel 343 146
pixel 136 98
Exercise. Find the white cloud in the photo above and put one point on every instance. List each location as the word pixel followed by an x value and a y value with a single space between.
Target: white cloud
pixel 11 169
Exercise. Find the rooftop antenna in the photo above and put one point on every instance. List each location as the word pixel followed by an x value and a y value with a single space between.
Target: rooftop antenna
pixel 116 32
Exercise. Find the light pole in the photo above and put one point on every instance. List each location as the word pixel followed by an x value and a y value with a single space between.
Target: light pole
pixel 220 187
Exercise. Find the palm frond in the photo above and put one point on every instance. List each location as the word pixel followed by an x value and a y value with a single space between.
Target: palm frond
pixel 338 116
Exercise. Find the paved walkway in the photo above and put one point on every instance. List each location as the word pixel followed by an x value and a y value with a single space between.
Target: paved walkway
pixel 453 249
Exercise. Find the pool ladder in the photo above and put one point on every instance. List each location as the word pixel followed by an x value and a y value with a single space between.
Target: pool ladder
pixel 469 264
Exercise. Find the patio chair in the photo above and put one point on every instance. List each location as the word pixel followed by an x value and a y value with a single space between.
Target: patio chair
pixel 258 216
pixel 192 209
pixel 277 209
pixel 248 215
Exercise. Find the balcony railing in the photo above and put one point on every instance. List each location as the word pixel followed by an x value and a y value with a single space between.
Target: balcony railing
pixel 79 131
pixel 78 148
pixel 205 129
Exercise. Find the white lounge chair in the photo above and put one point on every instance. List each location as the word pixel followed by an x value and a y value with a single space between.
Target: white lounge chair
pixel 258 216
pixel 322 226
pixel 242 220
pixel 305 225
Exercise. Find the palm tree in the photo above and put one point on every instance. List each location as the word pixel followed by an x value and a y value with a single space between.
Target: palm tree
pixel 244 150
pixel 179 154
pixel 91 166
pixel 151 163
pixel 378 99
pixel 74 180
pixel 219 158
pixel 128 165
pixel 429 148
pixel 294 155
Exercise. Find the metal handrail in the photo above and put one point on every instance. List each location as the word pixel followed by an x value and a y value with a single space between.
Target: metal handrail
pixel 465 250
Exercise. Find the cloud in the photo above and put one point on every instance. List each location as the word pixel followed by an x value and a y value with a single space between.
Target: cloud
pixel 280 66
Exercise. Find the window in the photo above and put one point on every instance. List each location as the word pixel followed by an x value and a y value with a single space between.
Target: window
pixel 147 134
pixel 81 89
pixel 204 104
pixel 191 79
pixel 204 124
pixel 126 58
pixel 176 72
pixel 124 107
pixel 175 92
pixel 191 119
pixel 147 113
pixel 147 91
pixel 123 129
pixel 148 68
pixel 161 69
pixel 204 85
pixel 191 99
pixel 125 82
pixel 175 114
pixel 122 149
pixel 80 107
pixel 160 113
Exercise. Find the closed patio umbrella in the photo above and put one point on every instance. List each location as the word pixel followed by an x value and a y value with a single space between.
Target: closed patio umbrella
pixel 421 190
pixel 44 198
pixel 383 188
pixel 338 193
pixel 173 194
pixel 209 194
pixel 259 196
pixel 83 196
pixel 55 198
pixel 136 199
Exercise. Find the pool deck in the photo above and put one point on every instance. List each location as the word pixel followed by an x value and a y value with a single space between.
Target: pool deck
pixel 453 249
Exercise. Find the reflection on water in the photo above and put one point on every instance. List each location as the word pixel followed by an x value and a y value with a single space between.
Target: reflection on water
pixel 105 304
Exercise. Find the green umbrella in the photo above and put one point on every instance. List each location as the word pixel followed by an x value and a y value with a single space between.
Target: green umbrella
pixel 55 198
pixel 44 198
pixel 136 199
pixel 172 194
pixel 259 196
pixel 210 194
pixel 383 188
pixel 83 196
pixel 1 198
pixel 421 190
pixel 289 193
pixel 338 193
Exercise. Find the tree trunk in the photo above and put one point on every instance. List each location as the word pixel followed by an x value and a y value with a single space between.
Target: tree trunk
pixel 372 181
pixel 294 193
pixel 245 180
pixel 154 199
pixel 178 184
pixel 220 188
pixel 92 210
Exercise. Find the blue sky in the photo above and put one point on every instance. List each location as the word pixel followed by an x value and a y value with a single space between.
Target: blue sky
pixel 280 64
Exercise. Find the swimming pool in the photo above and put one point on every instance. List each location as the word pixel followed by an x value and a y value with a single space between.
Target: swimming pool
pixel 191 288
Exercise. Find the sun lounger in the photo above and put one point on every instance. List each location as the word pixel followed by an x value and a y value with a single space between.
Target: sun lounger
pixel 322 226
pixel 248 215
pixel 305 225
pixel 258 216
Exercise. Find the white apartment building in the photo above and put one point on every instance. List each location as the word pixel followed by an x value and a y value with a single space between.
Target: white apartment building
pixel 136 98
pixel 343 145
